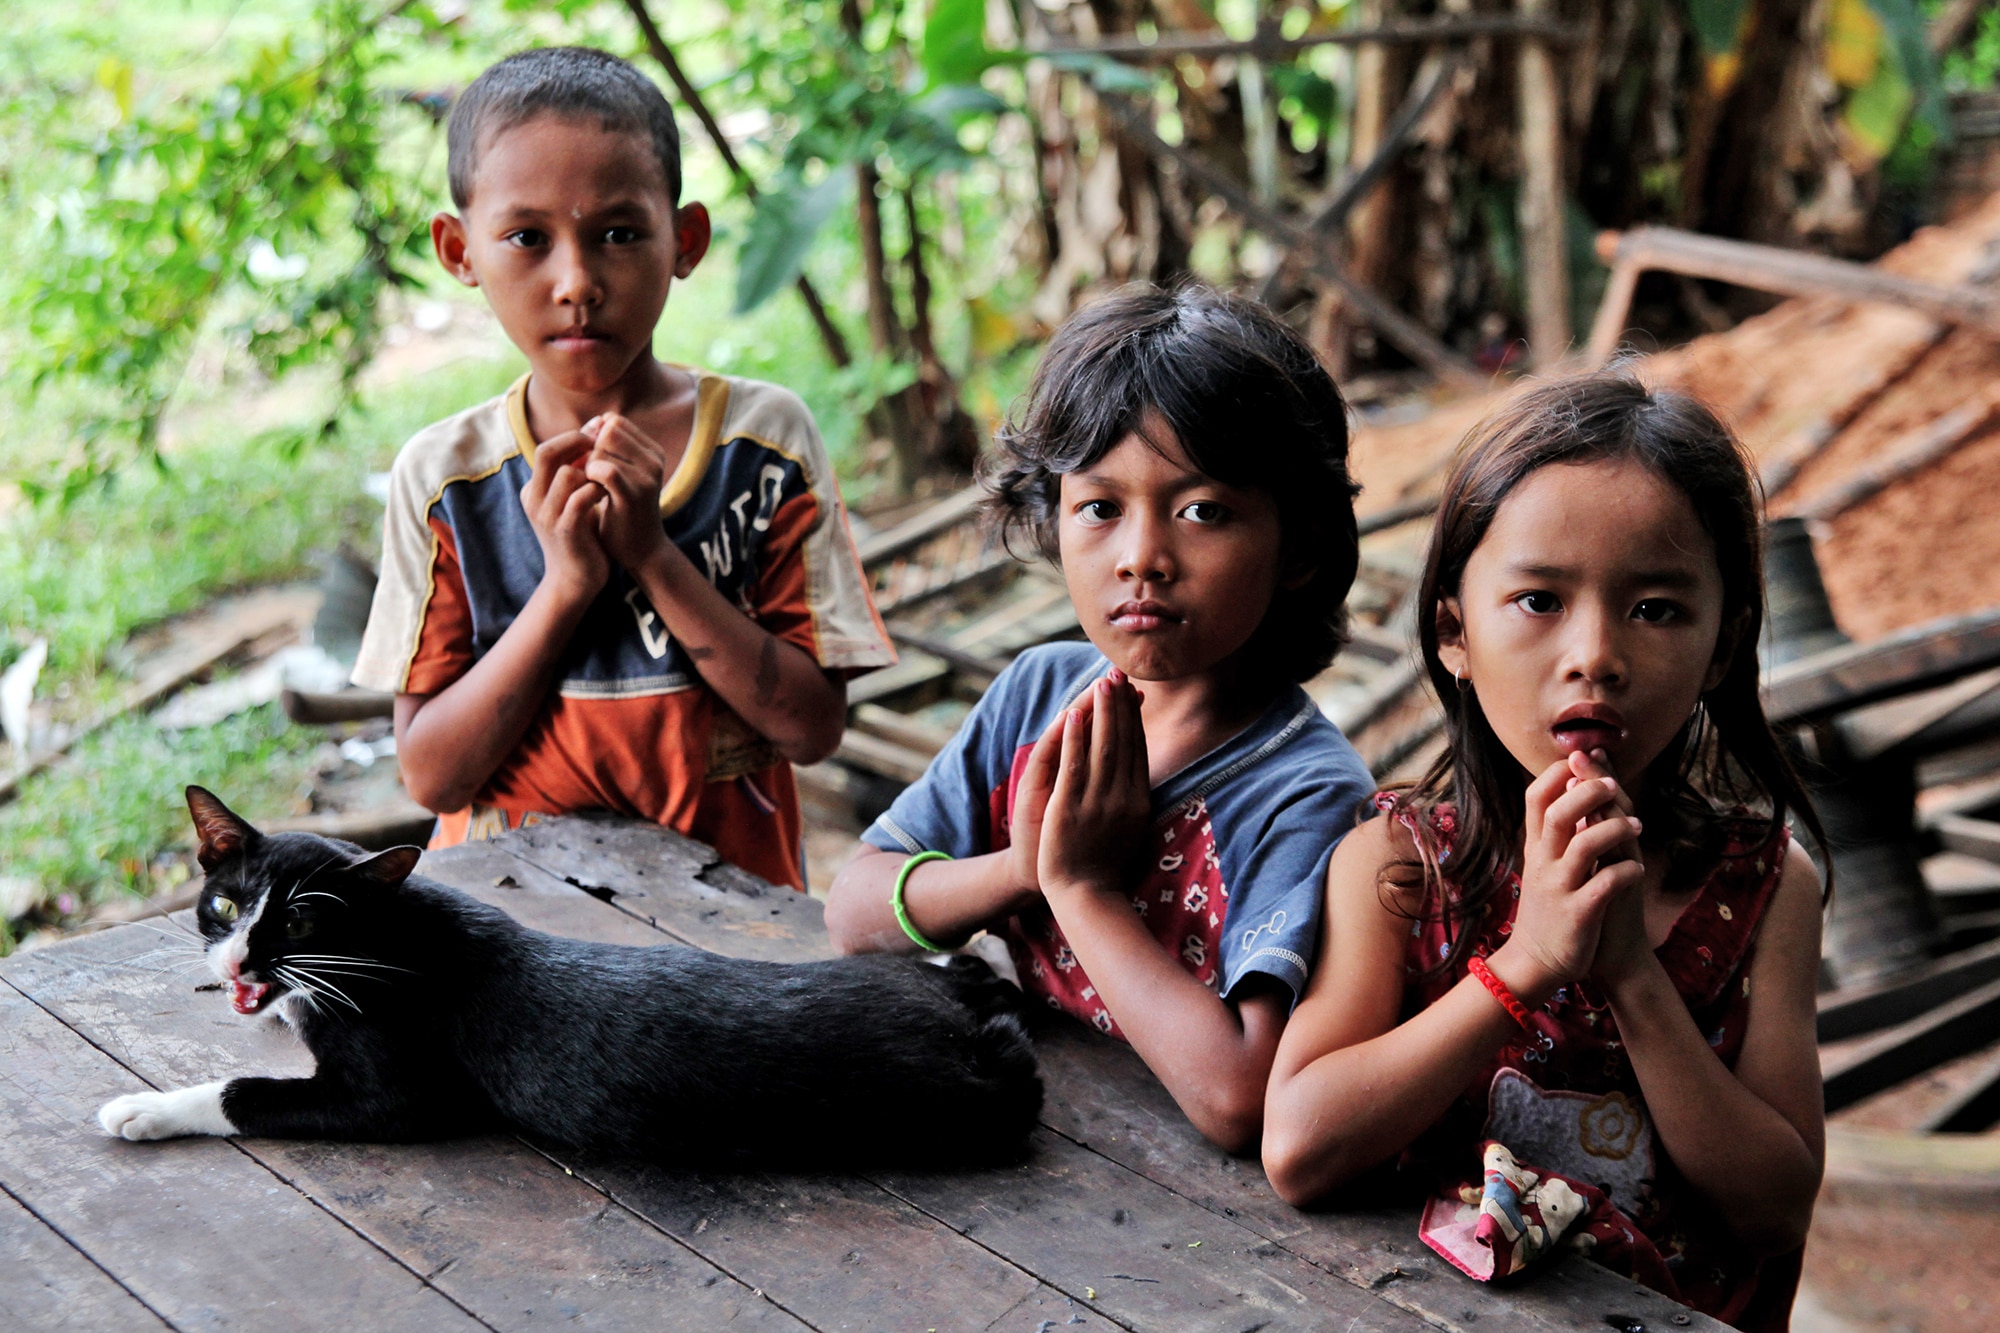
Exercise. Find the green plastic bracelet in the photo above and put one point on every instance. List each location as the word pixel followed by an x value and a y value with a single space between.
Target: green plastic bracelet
pixel 902 912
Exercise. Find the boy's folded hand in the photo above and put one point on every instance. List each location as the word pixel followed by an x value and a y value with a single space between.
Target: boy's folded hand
pixel 631 468
pixel 562 507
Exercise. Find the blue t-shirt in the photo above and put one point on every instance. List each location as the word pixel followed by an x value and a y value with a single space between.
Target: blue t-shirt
pixel 1234 881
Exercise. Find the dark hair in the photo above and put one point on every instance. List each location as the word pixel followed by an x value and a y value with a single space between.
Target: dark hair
pixel 574 81
pixel 1246 400
pixel 1725 753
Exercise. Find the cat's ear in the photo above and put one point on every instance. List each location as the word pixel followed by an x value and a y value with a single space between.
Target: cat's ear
pixel 222 833
pixel 388 868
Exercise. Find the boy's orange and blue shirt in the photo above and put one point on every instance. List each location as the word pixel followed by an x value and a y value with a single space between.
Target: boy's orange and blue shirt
pixel 631 728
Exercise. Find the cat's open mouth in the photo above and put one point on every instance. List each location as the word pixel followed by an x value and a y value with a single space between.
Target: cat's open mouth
pixel 247 997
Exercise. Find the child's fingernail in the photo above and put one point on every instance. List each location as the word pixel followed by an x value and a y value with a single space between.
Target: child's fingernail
pixel 1611 784
pixel 1600 756
pixel 1637 827
pixel 1570 785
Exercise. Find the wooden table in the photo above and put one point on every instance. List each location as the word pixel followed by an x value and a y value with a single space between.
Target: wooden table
pixel 1120 1218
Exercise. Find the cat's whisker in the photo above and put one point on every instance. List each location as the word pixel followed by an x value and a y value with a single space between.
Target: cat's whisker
pixel 174 949
pixel 321 973
pixel 180 933
pixel 313 986
pixel 309 878
pixel 306 996
pixel 315 893
pixel 322 983
pixel 344 958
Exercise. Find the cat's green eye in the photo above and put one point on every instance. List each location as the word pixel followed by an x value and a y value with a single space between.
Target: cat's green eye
pixel 297 925
pixel 223 907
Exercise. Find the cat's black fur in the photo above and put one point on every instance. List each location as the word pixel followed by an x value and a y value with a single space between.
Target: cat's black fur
pixel 458 1018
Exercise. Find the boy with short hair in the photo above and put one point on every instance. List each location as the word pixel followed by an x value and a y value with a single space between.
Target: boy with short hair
pixel 622 585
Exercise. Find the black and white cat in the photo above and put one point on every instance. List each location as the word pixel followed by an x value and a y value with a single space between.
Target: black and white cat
pixel 431 1014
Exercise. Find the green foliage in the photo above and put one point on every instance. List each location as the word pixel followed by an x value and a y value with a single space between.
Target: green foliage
pixel 230 513
pixel 842 99
pixel 267 198
pixel 788 216
pixel 1717 24
pixel 1975 66
pixel 94 825
pixel 954 47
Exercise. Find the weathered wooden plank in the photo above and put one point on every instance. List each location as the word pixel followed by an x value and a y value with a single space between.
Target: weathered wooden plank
pixel 1975 1108
pixel 1770 268
pixel 534 897
pixel 1852 1012
pixel 1871 1064
pixel 657 875
pixel 496 1226
pixel 50 1284
pixel 956 508
pixel 837 1251
pixel 196 1230
pixel 1921 657
pixel 1101 1095
pixel 508 1231
pixel 1138 1253
pixel 1970 837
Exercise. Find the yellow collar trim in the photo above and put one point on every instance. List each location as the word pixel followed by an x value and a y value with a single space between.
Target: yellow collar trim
pixel 711 405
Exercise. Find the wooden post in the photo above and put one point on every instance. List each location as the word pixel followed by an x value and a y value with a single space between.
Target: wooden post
pixel 1260 121
pixel 1544 252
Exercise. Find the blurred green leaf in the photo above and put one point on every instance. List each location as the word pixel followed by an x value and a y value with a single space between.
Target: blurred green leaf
pixel 1717 24
pixel 1104 72
pixel 788 215
pixel 955 43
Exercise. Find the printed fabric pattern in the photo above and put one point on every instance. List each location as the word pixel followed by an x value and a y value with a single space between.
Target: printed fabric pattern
pixel 1563 1103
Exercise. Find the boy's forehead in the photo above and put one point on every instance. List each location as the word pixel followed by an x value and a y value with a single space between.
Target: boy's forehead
pixel 541 160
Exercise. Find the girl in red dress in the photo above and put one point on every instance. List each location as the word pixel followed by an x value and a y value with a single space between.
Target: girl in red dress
pixel 1571 976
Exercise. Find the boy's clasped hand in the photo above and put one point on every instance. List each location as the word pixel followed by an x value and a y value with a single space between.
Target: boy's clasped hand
pixel 593 499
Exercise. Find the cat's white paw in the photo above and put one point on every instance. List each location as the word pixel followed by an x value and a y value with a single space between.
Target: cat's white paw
pixel 166 1115
pixel 992 950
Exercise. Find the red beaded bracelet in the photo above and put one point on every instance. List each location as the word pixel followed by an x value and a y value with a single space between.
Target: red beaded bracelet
pixel 1515 1009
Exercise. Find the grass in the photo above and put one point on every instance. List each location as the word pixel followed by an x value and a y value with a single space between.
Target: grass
pixel 226 514
pixel 99 823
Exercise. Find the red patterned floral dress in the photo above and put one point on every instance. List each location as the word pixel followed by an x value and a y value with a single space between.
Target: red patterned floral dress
pixel 1564 1098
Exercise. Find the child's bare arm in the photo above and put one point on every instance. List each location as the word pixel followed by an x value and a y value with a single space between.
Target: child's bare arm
pixel 1350 1086
pixel 449 743
pixel 946 900
pixel 773 685
pixel 1213 1055
pixel 1752 1140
